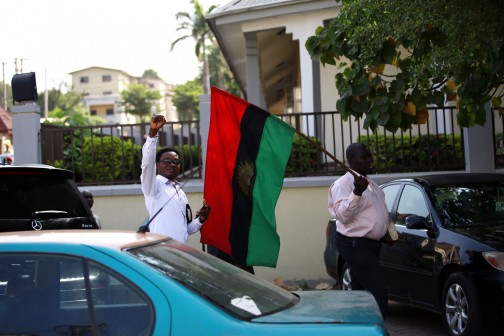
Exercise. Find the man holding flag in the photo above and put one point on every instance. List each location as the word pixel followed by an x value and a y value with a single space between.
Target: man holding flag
pixel 251 147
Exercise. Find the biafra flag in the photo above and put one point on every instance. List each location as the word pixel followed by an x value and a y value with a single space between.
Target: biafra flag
pixel 247 152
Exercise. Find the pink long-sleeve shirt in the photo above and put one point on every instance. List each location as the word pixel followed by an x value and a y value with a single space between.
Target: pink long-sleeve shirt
pixel 358 216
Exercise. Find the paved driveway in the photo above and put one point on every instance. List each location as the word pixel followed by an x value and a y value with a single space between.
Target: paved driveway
pixel 406 320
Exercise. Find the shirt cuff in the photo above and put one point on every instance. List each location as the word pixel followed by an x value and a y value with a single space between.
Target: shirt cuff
pixel 354 197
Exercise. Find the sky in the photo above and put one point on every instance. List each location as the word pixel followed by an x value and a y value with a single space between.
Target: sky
pixel 55 37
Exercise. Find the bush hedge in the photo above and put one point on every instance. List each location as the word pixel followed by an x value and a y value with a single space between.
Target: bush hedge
pixel 304 157
pixel 415 153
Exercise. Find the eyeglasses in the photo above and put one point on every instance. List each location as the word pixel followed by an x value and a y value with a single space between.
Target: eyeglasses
pixel 168 161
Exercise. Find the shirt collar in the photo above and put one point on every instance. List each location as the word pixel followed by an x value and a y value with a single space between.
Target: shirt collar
pixel 167 181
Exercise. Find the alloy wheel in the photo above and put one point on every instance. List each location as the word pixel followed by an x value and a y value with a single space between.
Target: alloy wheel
pixel 456 309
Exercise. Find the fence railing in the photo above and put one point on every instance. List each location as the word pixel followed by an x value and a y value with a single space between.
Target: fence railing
pixel 111 154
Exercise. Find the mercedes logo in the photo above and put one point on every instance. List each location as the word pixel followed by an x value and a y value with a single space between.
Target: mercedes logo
pixel 36 225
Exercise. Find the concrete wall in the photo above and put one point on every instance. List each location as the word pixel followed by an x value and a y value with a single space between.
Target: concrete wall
pixel 301 214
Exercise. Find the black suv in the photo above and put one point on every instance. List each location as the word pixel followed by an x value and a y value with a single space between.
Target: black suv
pixel 41 197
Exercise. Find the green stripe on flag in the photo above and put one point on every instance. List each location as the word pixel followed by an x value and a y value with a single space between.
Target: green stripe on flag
pixel 272 158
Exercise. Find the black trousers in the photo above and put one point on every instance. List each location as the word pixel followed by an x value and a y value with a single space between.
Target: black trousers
pixel 361 255
pixel 223 256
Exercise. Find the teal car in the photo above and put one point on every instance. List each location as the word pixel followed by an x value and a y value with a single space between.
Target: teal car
pixel 80 282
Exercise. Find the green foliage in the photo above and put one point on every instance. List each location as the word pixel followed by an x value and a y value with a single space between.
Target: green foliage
pixel 94 158
pixel 72 152
pixel 149 73
pixel 138 100
pixel 415 153
pixel 108 159
pixel 220 74
pixel 305 156
pixel 397 57
pixel 196 27
pixel 67 109
pixel 499 144
pixel 499 150
pixel 186 100
pixel 53 96
pixel 189 154
pixel 5 97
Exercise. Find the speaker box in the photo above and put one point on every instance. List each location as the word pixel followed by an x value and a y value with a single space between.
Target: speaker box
pixel 24 87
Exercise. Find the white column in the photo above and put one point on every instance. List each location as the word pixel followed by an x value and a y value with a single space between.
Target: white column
pixel 204 107
pixel 479 146
pixel 301 30
pixel 255 93
pixel 26 133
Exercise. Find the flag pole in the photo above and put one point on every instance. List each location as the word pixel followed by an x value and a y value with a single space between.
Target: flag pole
pixel 341 164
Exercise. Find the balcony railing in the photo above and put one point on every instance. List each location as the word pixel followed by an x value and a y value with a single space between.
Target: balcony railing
pixel 111 154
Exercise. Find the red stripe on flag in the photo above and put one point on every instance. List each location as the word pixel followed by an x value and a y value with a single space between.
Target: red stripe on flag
pixel 223 141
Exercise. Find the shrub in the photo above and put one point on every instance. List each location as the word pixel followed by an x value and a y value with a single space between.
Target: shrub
pixel 109 159
pixel 304 157
pixel 415 153
pixel 190 155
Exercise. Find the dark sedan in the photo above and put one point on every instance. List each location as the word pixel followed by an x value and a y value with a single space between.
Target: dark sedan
pixel 449 257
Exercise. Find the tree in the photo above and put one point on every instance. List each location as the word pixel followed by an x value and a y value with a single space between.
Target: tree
pixel 53 96
pixel 67 109
pixel 5 98
pixel 186 99
pixel 149 73
pixel 138 100
pixel 397 57
pixel 220 74
pixel 197 26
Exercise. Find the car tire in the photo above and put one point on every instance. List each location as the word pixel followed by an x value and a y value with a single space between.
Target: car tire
pixel 345 278
pixel 460 306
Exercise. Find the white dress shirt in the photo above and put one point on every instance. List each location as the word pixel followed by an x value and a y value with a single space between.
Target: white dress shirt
pixel 158 192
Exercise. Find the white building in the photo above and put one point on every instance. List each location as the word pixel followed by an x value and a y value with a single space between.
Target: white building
pixel 101 88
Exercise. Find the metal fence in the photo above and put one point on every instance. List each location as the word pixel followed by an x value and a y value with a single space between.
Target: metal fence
pixel 111 154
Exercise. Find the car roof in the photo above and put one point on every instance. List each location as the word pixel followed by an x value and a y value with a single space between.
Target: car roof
pixel 455 178
pixel 114 239
pixel 34 169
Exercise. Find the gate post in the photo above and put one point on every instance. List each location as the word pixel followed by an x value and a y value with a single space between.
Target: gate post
pixel 479 146
pixel 26 133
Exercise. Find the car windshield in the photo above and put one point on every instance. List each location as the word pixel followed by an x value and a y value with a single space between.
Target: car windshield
pixel 471 205
pixel 236 291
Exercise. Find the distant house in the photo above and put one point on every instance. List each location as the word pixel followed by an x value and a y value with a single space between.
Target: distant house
pixel 5 132
pixel 102 88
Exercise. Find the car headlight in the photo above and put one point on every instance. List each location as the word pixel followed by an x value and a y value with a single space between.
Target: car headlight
pixel 496 259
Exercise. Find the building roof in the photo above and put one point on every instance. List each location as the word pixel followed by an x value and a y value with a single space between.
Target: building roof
pixel 5 122
pixel 97 67
pixel 244 5
pixel 266 22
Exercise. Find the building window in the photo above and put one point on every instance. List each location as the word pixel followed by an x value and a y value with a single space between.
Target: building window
pixel 110 111
pixel 106 78
pixel 151 85
pixel 84 79
pixel 107 92
pixel 93 112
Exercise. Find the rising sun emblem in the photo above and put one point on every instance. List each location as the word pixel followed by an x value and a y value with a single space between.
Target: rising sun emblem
pixel 245 177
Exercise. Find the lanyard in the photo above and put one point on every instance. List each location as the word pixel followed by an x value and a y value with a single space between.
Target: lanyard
pixel 145 228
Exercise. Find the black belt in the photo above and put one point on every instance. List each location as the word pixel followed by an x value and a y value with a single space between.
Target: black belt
pixel 347 237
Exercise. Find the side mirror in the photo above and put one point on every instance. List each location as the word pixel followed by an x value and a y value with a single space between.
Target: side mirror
pixel 417 223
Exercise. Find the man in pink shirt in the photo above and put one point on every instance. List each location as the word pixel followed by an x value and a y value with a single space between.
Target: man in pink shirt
pixel 358 204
